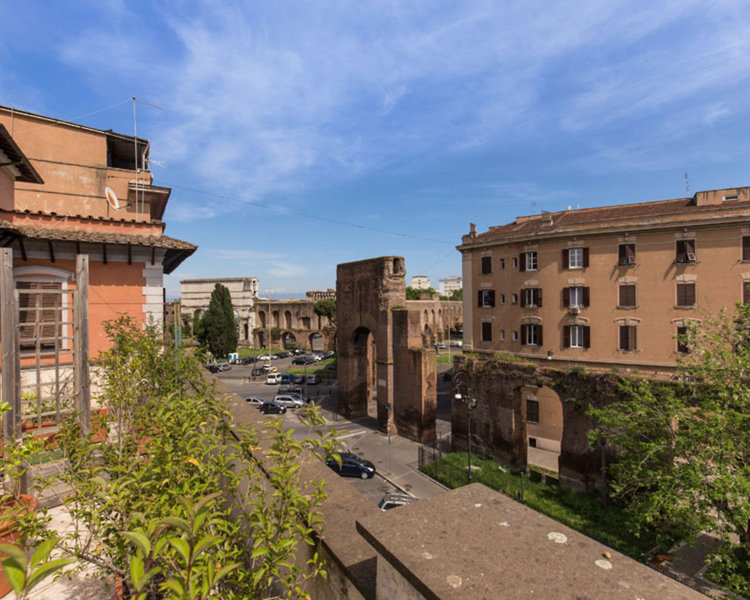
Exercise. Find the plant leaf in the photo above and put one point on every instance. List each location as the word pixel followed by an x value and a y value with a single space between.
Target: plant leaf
pixel 46 570
pixel 139 540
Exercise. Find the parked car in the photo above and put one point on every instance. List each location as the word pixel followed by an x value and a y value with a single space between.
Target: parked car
pixel 328 354
pixel 264 357
pixel 288 400
pixel 286 378
pixel 394 500
pixel 273 379
pixel 291 389
pixel 253 401
pixel 271 408
pixel 284 354
pixel 352 466
pixel 298 379
pixel 219 367
pixel 313 379
pixel 248 360
pixel 258 371
pixel 303 360
pixel 298 351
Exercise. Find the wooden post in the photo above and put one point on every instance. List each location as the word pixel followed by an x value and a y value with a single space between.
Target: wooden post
pixel 81 343
pixel 9 320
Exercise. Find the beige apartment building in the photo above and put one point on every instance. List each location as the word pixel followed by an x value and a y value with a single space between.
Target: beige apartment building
pixel 610 286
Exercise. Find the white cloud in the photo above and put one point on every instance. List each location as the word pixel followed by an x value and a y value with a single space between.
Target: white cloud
pixel 242 255
pixel 281 269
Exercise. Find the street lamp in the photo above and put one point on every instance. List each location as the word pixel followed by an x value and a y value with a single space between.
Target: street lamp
pixel 462 393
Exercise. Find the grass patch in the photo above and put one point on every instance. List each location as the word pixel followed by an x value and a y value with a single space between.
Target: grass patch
pixel 579 511
pixel 246 352
pixel 447 359
pixel 327 367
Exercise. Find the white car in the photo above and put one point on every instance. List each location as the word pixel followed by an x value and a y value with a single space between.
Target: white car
pixel 288 400
pixel 273 379
pixel 253 401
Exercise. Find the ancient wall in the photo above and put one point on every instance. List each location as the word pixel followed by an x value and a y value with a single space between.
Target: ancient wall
pixel 292 323
pixel 366 291
pixel 498 423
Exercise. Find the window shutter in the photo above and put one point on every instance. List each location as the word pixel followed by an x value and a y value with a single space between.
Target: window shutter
pixel 479 298
pixel 623 337
pixel 522 295
pixel 491 298
pixel 539 339
pixel 566 336
pixel 631 338
pixel 566 297
pixel 523 335
pixel 681 253
pixel 522 261
pixel 538 297
pixel 585 257
pixel 586 296
pixel 586 336
pixel 566 258
pixel 630 253
pixel 622 254
pixel 746 247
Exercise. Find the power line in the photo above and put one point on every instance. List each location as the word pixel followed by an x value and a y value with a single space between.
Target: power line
pixel 309 216
pixel 101 109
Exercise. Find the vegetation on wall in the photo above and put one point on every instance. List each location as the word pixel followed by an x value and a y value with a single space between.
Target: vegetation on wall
pixel 151 490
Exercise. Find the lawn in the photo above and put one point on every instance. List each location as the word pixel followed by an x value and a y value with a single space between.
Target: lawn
pixel 327 366
pixel 579 511
pixel 447 359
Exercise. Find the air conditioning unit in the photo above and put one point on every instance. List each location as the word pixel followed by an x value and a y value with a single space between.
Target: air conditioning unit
pixel 575 309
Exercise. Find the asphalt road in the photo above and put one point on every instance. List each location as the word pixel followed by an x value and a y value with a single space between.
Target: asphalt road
pixel 348 433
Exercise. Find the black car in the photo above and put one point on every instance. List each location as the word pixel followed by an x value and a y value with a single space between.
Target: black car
pixel 352 466
pixel 271 408
pixel 307 359
pixel 248 360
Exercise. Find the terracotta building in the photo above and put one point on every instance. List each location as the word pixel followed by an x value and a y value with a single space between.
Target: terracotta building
pixel 92 195
pixel 606 287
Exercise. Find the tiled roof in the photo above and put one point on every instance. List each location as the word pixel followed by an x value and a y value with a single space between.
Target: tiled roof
pixel 96 237
pixel 664 211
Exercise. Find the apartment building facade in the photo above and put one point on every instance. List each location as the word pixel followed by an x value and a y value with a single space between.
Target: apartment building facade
pixel 609 286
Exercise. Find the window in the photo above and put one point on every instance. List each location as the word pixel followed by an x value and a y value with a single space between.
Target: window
pixel 746 247
pixel 531 297
pixel 486 298
pixel 627 295
pixel 532 411
pixel 502 298
pixel 514 299
pixel 575 258
pixel 486 265
pixel 576 296
pixel 626 255
pixel 685 251
pixel 528 261
pixel 576 336
pixel 682 345
pixel 746 292
pixel 40 314
pixel 685 294
pixel 502 263
pixel 531 335
pixel 486 332
pixel 502 335
pixel 515 262
pixel 628 339
pixel 515 335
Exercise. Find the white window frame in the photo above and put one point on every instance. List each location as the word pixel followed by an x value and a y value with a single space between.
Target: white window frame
pixel 531 260
pixel 575 258
pixel 531 335
pixel 576 295
pixel 515 335
pixel 576 336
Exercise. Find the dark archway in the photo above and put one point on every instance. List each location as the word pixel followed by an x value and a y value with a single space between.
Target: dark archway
pixel 288 340
pixel 365 371
pixel 316 342
pixel 262 318
pixel 287 319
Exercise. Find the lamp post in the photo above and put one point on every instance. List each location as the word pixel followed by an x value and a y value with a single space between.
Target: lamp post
pixel 462 393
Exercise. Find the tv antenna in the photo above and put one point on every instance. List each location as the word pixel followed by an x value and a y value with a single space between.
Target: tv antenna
pixel 135 156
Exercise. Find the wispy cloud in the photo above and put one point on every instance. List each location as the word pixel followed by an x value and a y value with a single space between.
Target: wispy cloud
pixel 263 99
pixel 281 269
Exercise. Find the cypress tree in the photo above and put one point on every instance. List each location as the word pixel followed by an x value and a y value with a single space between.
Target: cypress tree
pixel 218 330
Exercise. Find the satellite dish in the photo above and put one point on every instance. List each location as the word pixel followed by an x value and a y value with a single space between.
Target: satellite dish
pixel 112 199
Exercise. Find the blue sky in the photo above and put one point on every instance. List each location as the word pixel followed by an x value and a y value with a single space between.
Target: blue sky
pixel 297 135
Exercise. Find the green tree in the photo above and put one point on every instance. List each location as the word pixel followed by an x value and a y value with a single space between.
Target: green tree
pixel 326 308
pixel 415 294
pixel 684 449
pixel 218 330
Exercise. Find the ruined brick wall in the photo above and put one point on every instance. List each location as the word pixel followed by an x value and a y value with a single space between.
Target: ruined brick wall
pixel 498 423
pixel 366 290
pixel 415 377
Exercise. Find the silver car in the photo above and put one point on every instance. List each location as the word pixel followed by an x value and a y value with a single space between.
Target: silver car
pixel 288 400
